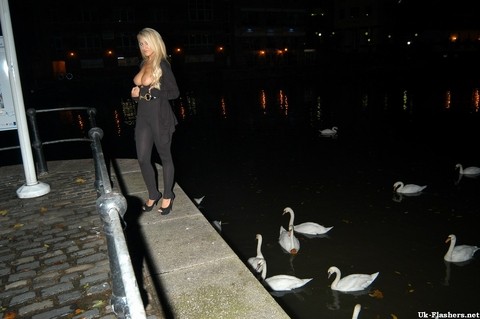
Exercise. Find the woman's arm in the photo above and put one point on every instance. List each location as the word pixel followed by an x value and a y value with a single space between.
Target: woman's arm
pixel 168 88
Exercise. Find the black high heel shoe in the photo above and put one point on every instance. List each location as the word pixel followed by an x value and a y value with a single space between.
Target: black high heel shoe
pixel 168 209
pixel 147 208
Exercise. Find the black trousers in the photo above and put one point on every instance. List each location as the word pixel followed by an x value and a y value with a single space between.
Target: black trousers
pixel 149 133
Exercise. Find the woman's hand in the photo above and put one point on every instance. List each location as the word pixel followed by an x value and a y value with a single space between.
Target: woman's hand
pixel 135 92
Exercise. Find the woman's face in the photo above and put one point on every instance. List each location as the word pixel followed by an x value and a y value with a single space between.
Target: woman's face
pixel 144 47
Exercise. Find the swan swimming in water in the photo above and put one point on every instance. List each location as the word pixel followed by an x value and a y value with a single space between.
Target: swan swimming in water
pixel 468 171
pixel 282 282
pixel 458 253
pixel 399 187
pixel 353 282
pixel 308 228
pixel 255 262
pixel 329 132
pixel 288 241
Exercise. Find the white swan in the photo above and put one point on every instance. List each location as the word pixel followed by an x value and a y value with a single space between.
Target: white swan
pixel 288 241
pixel 469 171
pixel 255 261
pixel 356 311
pixel 282 282
pixel 399 187
pixel 329 132
pixel 309 228
pixel 353 282
pixel 458 253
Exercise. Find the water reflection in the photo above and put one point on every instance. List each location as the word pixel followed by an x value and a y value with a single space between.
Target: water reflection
pixel 448 99
pixel 283 101
pixel 406 105
pixel 475 99
pixel 263 101
pixel 399 197
pixel 318 110
pixel 317 101
pixel 297 292
pixel 129 110
pixel 223 107
pixel 335 301
pixel 118 123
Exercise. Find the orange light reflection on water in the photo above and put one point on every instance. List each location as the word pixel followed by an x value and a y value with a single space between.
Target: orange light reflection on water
pixel 475 99
pixel 448 99
pixel 283 102
pixel 263 101
pixel 81 123
pixel 223 107
pixel 118 122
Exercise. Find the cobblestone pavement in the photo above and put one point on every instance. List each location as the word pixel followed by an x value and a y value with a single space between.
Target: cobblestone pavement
pixel 53 252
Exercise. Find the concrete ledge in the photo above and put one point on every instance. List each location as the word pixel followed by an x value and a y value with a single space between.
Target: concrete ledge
pixel 197 274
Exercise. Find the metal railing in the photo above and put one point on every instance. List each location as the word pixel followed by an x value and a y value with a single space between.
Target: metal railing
pixel 37 143
pixel 126 299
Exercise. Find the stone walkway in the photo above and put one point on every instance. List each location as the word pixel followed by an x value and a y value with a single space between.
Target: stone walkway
pixel 53 258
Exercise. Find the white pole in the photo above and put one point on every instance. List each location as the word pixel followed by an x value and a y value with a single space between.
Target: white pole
pixel 32 187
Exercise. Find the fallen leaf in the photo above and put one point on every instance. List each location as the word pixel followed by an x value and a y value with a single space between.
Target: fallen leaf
pixel 18 225
pixel 98 303
pixel 80 180
pixel 10 315
pixel 3 212
pixel 43 210
pixel 376 294
pixel 79 311
pixel 393 316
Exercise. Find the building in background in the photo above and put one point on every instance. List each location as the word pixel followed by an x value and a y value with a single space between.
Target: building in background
pixel 90 40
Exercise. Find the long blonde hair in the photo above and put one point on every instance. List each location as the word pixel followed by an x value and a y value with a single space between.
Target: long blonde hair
pixel 155 42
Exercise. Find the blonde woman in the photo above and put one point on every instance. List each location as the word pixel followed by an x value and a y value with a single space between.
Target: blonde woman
pixel 155 85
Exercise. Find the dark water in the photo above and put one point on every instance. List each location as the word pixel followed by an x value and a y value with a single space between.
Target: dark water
pixel 253 148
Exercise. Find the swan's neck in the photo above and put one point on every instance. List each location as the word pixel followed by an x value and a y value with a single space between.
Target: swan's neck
pixel 259 247
pixel 337 278
pixel 356 312
pixel 451 247
pixel 292 217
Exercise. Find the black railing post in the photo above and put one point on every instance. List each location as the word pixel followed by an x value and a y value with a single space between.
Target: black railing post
pixel 96 132
pixel 37 143
pixel 92 112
